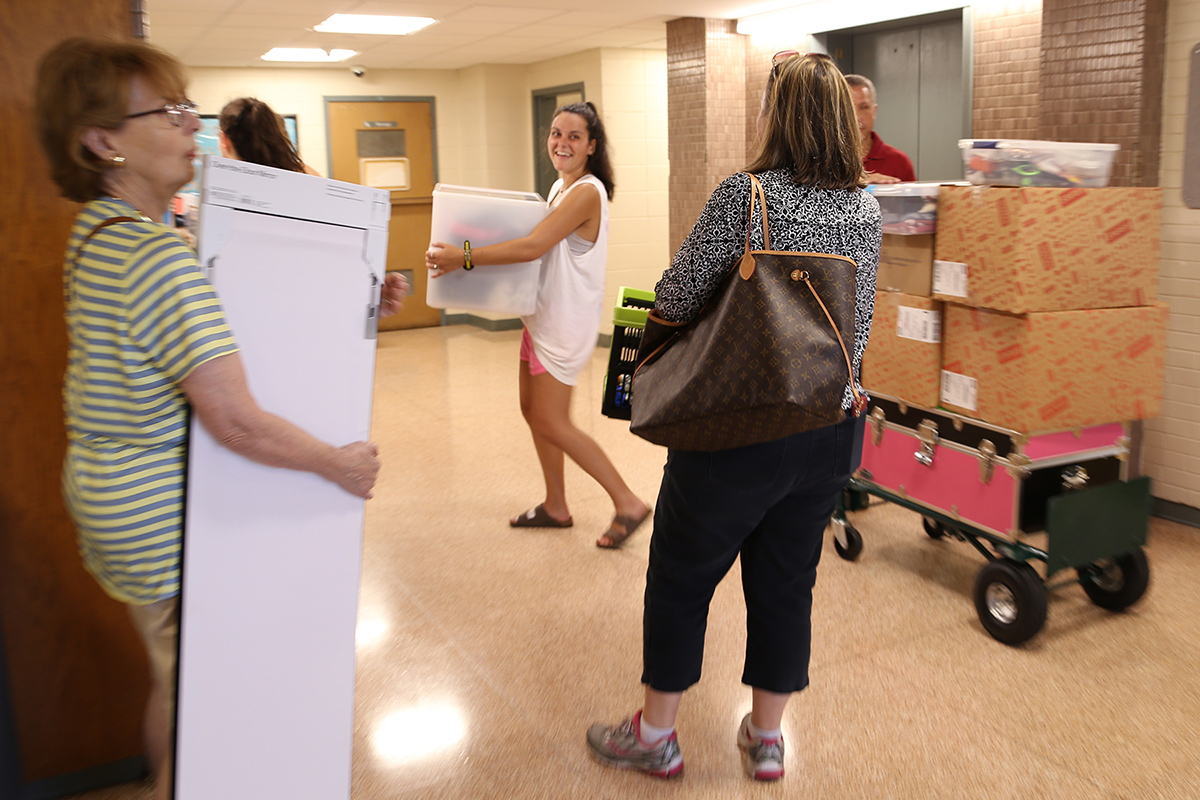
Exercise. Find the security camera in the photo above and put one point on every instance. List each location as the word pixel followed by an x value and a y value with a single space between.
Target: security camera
pixel 358 71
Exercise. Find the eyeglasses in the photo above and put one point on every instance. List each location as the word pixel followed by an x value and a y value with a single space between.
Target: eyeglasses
pixel 782 56
pixel 174 112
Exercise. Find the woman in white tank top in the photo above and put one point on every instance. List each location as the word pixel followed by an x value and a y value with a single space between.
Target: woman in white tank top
pixel 560 335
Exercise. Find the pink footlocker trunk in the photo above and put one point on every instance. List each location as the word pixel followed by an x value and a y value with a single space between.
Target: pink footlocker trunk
pixel 992 478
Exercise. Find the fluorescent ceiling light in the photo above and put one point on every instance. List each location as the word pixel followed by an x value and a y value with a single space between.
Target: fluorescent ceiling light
pixel 368 23
pixel 306 54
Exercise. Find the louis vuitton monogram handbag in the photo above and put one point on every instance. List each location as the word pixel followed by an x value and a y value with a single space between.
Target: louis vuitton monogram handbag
pixel 765 358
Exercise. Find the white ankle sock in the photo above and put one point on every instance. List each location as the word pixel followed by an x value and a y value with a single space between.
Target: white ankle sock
pixel 650 734
pixel 757 733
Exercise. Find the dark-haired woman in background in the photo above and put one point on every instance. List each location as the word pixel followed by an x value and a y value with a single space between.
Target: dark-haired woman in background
pixel 766 503
pixel 250 130
pixel 560 336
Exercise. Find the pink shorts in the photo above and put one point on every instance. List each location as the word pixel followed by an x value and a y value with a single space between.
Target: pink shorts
pixel 527 354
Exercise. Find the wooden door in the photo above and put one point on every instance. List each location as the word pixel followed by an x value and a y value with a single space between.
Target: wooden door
pixel 76 673
pixel 362 134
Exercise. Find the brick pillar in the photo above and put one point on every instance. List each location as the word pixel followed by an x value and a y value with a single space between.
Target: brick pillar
pixel 1102 74
pixel 706 117
pixel 1008 51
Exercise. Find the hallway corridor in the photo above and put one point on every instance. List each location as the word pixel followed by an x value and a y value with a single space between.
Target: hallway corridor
pixel 485 651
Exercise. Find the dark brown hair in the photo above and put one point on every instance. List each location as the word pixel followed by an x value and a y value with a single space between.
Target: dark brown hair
pixel 810 127
pixel 598 162
pixel 84 83
pixel 258 134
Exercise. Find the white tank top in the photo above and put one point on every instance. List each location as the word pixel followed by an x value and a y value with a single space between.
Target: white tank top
pixel 570 302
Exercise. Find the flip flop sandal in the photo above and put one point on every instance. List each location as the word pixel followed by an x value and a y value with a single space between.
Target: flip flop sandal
pixel 539 518
pixel 622 528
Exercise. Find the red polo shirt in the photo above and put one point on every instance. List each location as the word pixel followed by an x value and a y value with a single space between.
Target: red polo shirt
pixel 887 160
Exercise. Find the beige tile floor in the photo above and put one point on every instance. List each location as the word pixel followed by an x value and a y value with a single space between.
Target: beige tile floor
pixel 508 643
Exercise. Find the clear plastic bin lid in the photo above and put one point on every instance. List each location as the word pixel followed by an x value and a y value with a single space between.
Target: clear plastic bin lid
pixel 500 194
pixel 918 189
pixel 1031 144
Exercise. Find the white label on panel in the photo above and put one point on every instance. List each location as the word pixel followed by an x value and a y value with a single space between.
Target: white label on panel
pixel 919 324
pixel 950 277
pixel 959 390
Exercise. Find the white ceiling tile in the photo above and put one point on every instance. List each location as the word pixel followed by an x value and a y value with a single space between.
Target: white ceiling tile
pixel 237 32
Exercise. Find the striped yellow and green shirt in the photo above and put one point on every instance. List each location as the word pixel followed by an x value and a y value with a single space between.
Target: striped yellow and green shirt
pixel 140 317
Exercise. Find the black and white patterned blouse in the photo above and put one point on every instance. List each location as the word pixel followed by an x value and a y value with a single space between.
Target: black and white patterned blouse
pixel 802 218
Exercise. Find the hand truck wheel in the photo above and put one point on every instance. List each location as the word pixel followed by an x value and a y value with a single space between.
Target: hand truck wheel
pixel 1118 582
pixel 1011 600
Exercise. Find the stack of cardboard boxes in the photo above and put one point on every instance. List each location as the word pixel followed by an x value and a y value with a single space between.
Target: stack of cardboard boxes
pixel 1040 313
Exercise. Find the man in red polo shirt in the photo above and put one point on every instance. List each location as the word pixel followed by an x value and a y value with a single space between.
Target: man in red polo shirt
pixel 883 163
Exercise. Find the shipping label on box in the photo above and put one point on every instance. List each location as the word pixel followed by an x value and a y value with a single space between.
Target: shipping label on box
pixel 1043 249
pixel 904 354
pixel 906 264
pixel 1055 370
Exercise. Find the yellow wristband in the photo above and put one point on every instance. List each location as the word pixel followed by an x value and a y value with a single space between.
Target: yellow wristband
pixel 467 256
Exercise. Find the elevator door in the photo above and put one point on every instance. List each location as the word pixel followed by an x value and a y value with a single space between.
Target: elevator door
pixel 918 77
pixel 389 144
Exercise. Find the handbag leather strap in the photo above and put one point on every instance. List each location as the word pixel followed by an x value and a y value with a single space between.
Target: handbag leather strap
pixel 859 403
pixel 86 239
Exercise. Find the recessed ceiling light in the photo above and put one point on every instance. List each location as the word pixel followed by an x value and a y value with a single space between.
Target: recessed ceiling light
pixel 306 54
pixel 369 23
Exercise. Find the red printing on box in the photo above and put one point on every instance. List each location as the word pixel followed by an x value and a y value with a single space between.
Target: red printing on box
pixel 1117 231
pixel 1010 353
pixel 1140 346
pixel 1046 256
pixel 1070 196
pixel 1054 408
pixel 1002 211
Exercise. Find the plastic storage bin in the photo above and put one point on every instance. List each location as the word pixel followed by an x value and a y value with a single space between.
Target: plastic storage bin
pixel 1024 162
pixel 908 208
pixel 483 217
pixel 629 320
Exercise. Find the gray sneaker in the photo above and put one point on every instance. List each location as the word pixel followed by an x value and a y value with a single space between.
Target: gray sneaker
pixel 762 758
pixel 619 746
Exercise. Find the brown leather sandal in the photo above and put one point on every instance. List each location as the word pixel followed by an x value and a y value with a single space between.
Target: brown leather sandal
pixel 539 518
pixel 622 528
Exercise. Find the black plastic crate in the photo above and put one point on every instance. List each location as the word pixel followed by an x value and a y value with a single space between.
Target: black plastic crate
pixel 622 354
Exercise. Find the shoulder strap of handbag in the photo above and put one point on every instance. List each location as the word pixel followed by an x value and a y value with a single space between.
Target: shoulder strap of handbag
pixel 756 190
pixel 97 229
pixel 86 239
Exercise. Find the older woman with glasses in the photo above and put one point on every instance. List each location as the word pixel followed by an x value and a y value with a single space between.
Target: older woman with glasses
pixel 766 504
pixel 147 340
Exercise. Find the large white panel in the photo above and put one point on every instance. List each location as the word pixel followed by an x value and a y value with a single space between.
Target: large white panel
pixel 272 557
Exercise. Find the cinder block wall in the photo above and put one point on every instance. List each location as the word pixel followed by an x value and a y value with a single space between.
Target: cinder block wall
pixel 1172 451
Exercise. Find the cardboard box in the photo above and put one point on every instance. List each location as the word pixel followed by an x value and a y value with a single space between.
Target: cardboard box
pixel 1056 370
pixel 906 264
pixel 1024 250
pixel 903 358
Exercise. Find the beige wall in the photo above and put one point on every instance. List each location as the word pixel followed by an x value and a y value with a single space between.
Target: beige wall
pixel 1172 450
pixel 302 92
pixel 484 119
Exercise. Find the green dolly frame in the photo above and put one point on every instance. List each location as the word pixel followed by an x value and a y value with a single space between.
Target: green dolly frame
pixel 1098 532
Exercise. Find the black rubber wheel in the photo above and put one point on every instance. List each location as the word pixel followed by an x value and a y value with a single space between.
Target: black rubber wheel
pixel 854 543
pixel 1011 600
pixel 1116 583
pixel 933 528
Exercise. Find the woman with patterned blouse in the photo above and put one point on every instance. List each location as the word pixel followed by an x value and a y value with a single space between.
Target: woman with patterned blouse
pixel 147 340
pixel 768 503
